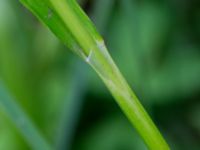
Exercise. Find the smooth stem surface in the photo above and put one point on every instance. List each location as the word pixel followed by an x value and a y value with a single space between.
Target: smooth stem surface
pixel 74 28
pixel 127 100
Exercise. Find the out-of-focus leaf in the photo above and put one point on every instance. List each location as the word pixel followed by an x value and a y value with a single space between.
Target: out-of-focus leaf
pixel 101 18
pixel 21 120
pixel 178 77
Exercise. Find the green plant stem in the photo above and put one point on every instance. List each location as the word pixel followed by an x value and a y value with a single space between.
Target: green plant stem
pixel 74 28
pixel 130 104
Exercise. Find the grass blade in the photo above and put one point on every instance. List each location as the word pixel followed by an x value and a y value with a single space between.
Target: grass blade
pixel 21 120
pixel 66 19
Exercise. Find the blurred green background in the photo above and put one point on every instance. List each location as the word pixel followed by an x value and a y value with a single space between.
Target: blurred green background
pixel 155 43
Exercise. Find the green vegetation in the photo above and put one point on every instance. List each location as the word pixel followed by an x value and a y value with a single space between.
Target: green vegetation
pixel 81 36
pixel 49 100
pixel 26 127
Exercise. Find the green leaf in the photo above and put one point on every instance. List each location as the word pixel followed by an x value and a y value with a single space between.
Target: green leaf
pixel 22 121
pixel 66 19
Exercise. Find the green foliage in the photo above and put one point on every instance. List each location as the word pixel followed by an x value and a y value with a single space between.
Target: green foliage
pixel 26 127
pixel 66 17
pixel 60 15
pixel 155 45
